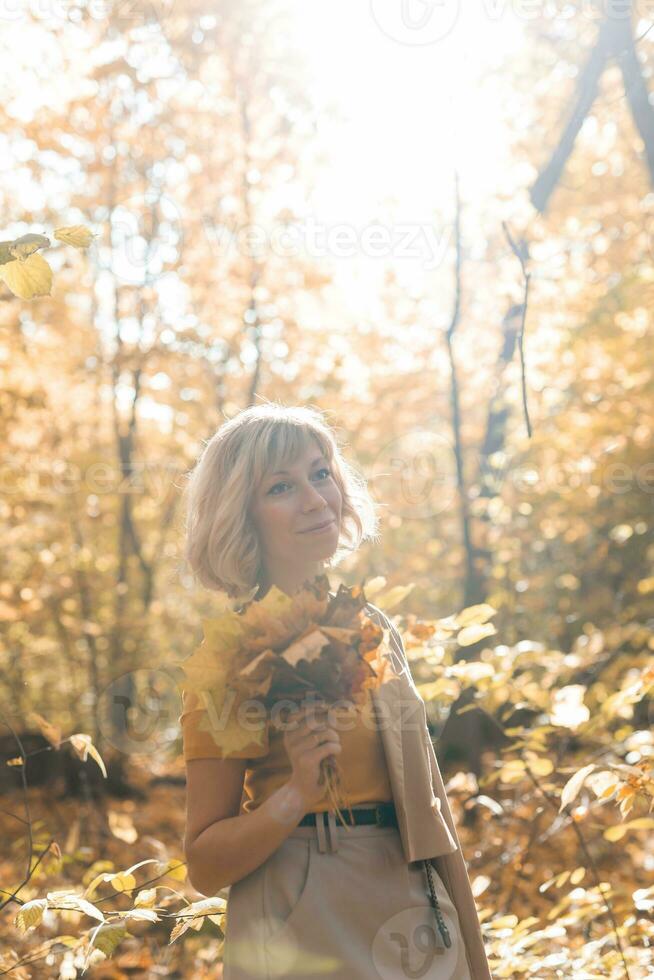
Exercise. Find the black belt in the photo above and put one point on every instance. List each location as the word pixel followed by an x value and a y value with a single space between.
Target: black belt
pixel 382 815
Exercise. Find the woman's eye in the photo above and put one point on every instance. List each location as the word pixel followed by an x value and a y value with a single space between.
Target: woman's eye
pixel 323 469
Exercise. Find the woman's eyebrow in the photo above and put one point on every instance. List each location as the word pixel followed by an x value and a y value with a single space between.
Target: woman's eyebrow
pixel 286 472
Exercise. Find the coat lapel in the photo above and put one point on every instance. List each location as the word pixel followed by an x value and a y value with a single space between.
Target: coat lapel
pixel 402 723
pixel 425 820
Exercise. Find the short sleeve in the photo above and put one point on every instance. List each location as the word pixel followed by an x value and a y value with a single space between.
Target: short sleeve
pixel 199 743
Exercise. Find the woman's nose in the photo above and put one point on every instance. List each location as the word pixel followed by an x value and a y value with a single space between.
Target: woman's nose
pixel 311 496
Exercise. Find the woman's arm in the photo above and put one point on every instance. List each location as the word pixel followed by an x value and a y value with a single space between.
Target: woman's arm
pixel 221 846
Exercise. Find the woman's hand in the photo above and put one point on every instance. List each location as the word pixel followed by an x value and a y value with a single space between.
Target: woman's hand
pixel 307 742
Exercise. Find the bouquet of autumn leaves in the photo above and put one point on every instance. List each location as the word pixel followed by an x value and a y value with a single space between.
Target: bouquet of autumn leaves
pixel 274 653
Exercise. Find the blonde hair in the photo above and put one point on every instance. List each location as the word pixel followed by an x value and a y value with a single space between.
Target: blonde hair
pixel 221 543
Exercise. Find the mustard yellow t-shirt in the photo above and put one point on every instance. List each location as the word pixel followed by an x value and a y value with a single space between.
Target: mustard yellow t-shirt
pixel 361 761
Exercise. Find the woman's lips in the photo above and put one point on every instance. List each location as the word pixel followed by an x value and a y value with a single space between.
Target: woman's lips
pixel 319 530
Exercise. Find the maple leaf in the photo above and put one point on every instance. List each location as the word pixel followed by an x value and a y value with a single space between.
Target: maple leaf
pixel 282 648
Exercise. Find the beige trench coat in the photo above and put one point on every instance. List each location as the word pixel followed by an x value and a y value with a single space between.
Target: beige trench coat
pixel 424 817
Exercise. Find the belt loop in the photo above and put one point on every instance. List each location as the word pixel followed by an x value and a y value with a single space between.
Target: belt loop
pixel 333 830
pixel 320 831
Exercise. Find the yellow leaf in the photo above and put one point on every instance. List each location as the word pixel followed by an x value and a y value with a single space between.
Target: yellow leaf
pixel 434 689
pixel 205 906
pixel 574 784
pixel 474 633
pixel 91 888
pixel 393 597
pixel 540 766
pixel 374 585
pixel 180 927
pixel 30 914
pixel 640 823
pixel 504 922
pixel 70 900
pixel 475 615
pixel 512 771
pixel 175 869
pixel 208 667
pixel 76 235
pixel 471 672
pixel 21 247
pixel 193 916
pixel 84 746
pixel 28 278
pixel 603 783
pixel 145 898
pixel 615 833
pixel 140 915
pixel 122 882
pixel 106 937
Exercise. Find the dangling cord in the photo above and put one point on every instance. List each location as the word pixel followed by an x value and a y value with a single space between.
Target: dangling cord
pixel 436 907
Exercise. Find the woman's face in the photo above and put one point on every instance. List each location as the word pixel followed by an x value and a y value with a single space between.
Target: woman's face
pixel 286 505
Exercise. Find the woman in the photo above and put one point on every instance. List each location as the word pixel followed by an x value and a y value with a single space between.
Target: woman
pixel 272 501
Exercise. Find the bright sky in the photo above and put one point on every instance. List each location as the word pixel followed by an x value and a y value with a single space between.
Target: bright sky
pixel 416 90
pixel 411 79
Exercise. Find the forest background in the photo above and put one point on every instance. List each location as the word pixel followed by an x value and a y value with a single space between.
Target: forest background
pixel 436 223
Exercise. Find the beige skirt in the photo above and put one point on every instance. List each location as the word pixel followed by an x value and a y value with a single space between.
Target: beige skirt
pixel 336 903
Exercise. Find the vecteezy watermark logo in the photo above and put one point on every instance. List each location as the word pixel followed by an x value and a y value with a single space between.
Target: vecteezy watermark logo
pixel 415 22
pixel 415 474
pixel 409 944
pixel 139 710
pixel 417 241
pixel 123 13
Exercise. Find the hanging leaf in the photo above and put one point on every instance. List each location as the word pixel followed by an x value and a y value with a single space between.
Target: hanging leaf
pixel 27 278
pixel 193 916
pixel 145 898
pixel 30 914
pixel 617 832
pixel 77 235
pixel 540 766
pixel 388 600
pixel 107 938
pixel 20 248
pixel 474 633
pixel 84 746
pixel 573 785
pixel 475 615
pixel 69 900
